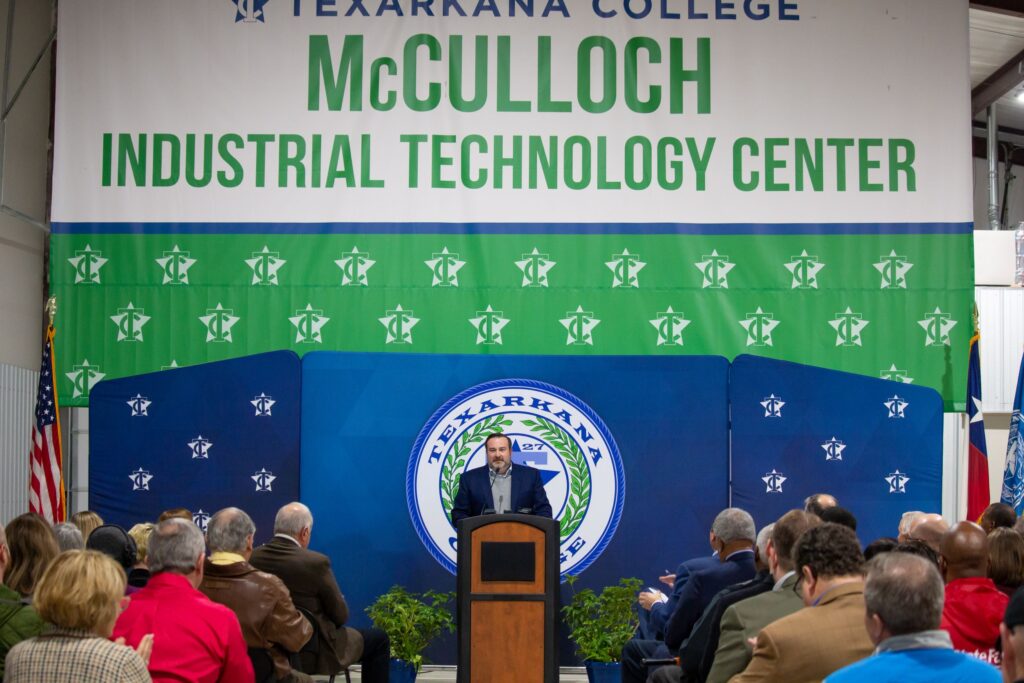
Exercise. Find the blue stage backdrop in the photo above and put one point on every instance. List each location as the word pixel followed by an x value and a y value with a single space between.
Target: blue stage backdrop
pixel 633 451
pixel 202 437
pixel 797 430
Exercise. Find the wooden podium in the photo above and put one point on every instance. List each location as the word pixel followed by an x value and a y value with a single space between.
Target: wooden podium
pixel 508 572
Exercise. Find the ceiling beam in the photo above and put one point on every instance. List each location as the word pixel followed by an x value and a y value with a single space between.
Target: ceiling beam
pixel 1011 7
pixel 1003 80
pixel 980 151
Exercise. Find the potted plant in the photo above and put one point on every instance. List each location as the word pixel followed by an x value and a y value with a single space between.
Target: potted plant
pixel 600 624
pixel 411 621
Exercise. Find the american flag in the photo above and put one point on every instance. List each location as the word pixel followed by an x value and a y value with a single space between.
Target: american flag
pixel 46 486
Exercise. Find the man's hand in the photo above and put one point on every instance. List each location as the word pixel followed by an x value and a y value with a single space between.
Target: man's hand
pixel 648 598
pixel 669 580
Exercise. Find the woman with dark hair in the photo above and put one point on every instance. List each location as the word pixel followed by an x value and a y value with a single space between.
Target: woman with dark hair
pixel 33 546
pixel 1006 559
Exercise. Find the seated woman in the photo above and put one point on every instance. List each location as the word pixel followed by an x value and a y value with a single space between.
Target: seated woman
pixel 33 545
pixel 81 595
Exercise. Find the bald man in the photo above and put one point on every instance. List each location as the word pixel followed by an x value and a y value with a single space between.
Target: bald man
pixel 974 606
pixel 929 528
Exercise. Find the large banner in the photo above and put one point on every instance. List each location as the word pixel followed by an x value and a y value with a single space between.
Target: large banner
pixel 789 178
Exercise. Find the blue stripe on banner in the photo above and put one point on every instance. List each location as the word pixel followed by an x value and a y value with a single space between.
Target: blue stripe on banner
pixel 958 228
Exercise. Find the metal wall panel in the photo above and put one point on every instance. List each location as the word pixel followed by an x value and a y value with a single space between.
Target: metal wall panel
pixel 1001 319
pixel 17 405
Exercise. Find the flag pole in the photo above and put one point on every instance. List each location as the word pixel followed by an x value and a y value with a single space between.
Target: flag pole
pixel 51 312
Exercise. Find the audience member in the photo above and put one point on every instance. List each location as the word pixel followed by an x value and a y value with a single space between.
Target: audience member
pixel 1013 640
pixel 921 549
pixel 261 601
pixel 817 502
pixel 69 537
pixel 113 541
pixel 179 513
pixel 86 521
pixel 698 651
pixel 997 516
pixel 839 515
pixel 903 601
pixel 734 536
pixel 80 593
pixel 1006 559
pixel 906 521
pixel 974 606
pixel 308 576
pixel 18 620
pixel 745 619
pixel 139 573
pixel 878 546
pixel 657 607
pixel 194 638
pixel 33 546
pixel 828 633
pixel 929 529
pixel 1018 526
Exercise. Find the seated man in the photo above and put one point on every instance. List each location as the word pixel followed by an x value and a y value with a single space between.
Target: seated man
pixel 734 536
pixel 816 503
pixel 308 576
pixel 828 633
pixel 744 620
pixel 698 651
pixel 261 601
pixel 656 607
pixel 974 606
pixel 997 515
pixel 903 598
pixel 928 527
pixel 194 638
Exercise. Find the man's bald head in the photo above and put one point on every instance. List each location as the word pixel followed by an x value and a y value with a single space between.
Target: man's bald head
pixel 964 552
pixel 930 532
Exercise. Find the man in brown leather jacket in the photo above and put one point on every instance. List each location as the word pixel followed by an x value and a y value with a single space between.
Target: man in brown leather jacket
pixel 261 601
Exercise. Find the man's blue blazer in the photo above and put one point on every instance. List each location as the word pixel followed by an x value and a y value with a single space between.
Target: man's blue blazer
pixel 474 494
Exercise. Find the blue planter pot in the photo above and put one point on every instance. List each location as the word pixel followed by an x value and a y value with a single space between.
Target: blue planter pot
pixel 604 672
pixel 401 671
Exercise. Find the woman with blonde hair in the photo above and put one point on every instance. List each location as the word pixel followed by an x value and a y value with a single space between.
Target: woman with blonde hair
pixel 86 521
pixel 33 546
pixel 81 594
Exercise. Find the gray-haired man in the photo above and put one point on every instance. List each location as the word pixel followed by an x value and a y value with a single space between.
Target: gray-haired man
pixel 903 597
pixel 311 581
pixel 261 601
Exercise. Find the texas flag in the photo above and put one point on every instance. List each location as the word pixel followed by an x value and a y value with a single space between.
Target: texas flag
pixel 977 456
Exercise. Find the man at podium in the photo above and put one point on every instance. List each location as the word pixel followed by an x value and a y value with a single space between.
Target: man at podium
pixel 500 486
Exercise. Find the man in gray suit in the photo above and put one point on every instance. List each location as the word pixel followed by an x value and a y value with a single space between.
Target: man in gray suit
pixel 746 618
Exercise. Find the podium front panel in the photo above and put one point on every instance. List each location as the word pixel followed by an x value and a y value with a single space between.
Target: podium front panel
pixel 508 532
pixel 506 654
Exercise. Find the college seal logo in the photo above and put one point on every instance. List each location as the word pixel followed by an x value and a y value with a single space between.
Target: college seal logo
pixel 552 431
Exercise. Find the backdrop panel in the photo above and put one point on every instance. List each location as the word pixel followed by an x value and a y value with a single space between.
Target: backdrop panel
pixel 368 480
pixel 797 430
pixel 203 438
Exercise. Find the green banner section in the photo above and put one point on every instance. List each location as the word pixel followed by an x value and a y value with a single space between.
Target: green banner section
pixel 891 305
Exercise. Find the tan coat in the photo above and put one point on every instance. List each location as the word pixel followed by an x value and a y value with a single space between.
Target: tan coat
pixel 745 620
pixel 808 645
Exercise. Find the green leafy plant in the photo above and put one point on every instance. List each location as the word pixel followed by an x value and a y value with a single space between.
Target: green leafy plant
pixel 601 623
pixel 412 620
